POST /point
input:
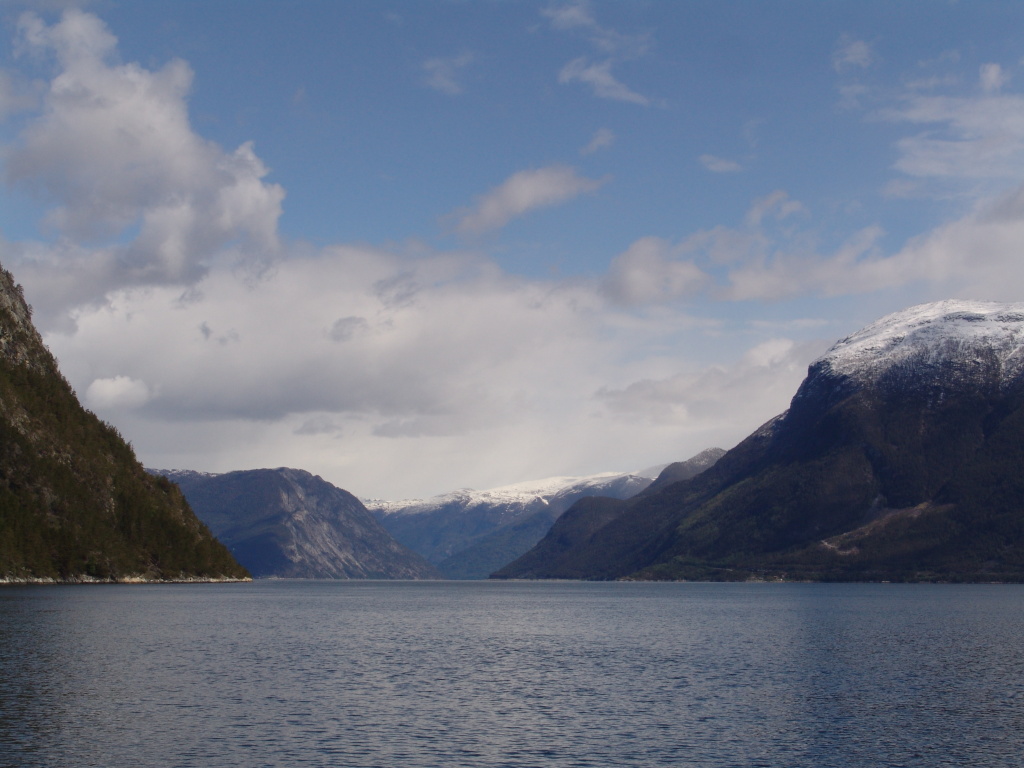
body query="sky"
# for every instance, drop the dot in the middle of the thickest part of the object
(420, 246)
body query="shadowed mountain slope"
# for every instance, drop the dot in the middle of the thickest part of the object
(900, 458)
(291, 524)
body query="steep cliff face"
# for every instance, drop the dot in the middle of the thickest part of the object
(75, 504)
(900, 458)
(288, 523)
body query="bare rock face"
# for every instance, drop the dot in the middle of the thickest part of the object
(288, 523)
(899, 459)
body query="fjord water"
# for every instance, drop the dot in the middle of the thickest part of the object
(279, 673)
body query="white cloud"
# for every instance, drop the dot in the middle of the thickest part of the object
(992, 78)
(477, 378)
(782, 273)
(351, 361)
(578, 16)
(443, 73)
(598, 75)
(612, 46)
(969, 138)
(719, 164)
(777, 204)
(650, 271)
(523, 192)
(851, 53)
(571, 15)
(602, 139)
(117, 393)
(315, 365)
(16, 95)
(755, 388)
(114, 150)
(851, 95)
(977, 255)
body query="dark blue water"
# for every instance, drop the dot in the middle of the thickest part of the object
(511, 674)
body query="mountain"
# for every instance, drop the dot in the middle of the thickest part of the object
(75, 504)
(899, 458)
(684, 470)
(469, 534)
(288, 523)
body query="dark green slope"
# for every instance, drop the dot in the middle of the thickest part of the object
(74, 502)
(917, 476)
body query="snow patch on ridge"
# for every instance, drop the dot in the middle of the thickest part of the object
(952, 329)
(516, 493)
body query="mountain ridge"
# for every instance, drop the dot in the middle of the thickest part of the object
(898, 459)
(468, 534)
(289, 523)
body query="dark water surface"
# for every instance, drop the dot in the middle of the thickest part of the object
(511, 674)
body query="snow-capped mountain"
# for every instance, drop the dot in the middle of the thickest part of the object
(900, 458)
(469, 534)
(973, 339)
(512, 497)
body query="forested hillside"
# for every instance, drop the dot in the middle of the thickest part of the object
(75, 504)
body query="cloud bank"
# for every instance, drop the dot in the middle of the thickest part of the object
(179, 311)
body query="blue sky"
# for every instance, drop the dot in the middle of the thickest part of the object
(415, 246)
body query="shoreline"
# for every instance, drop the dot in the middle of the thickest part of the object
(133, 579)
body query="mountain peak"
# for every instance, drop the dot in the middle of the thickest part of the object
(973, 336)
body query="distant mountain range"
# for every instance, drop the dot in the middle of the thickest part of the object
(288, 523)
(470, 534)
(75, 504)
(901, 457)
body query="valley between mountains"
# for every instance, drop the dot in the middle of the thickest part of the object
(899, 459)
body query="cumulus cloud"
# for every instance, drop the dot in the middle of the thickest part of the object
(719, 164)
(759, 383)
(651, 271)
(602, 139)
(351, 361)
(992, 78)
(16, 95)
(442, 74)
(851, 95)
(777, 204)
(977, 254)
(571, 16)
(578, 16)
(114, 152)
(783, 273)
(475, 378)
(968, 138)
(116, 393)
(598, 75)
(851, 53)
(612, 46)
(521, 193)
